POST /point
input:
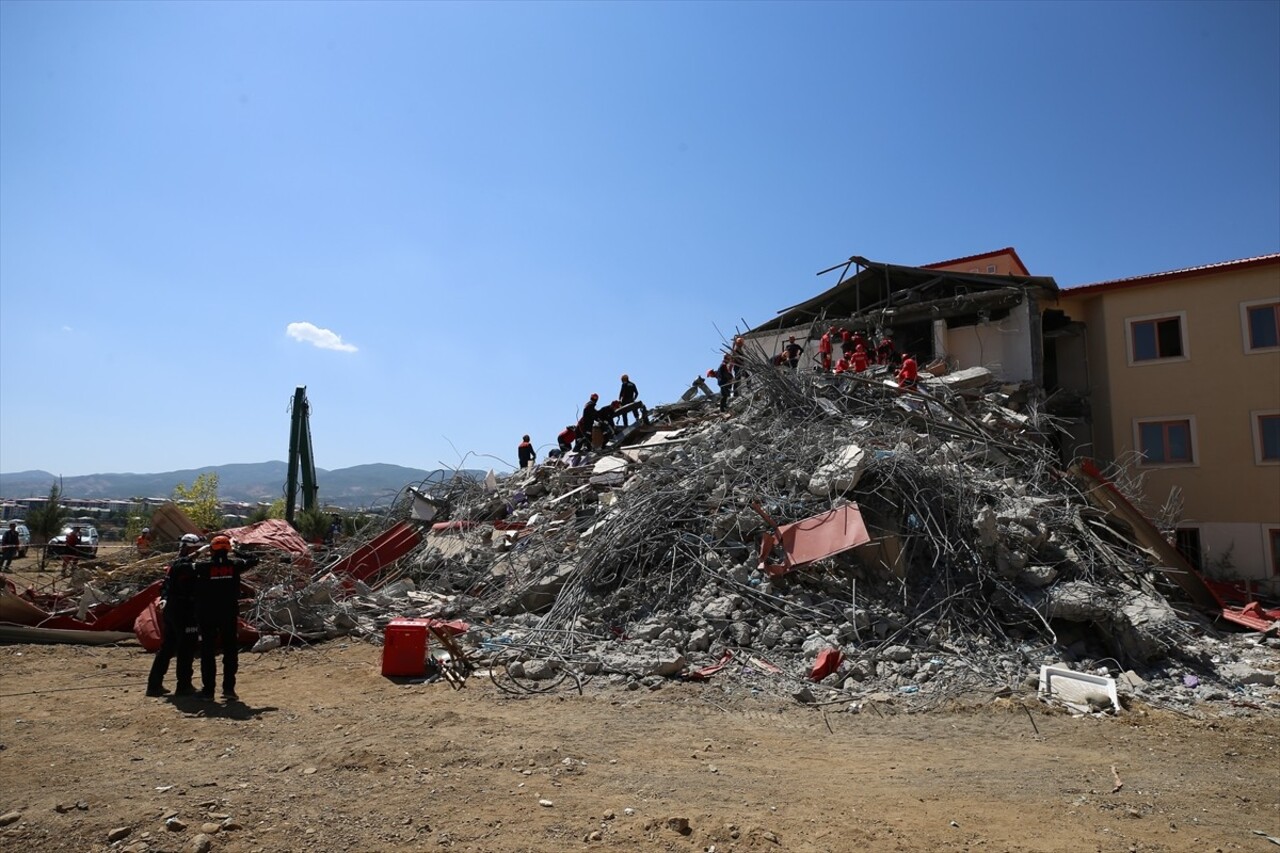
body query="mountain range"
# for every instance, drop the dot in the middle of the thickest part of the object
(354, 487)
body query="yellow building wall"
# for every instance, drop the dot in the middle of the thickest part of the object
(1217, 385)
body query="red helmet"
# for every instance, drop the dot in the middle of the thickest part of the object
(220, 543)
(711, 372)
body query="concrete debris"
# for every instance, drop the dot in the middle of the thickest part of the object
(950, 552)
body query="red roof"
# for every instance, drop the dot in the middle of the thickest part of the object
(1007, 250)
(1156, 277)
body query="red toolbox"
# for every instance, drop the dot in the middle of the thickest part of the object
(404, 648)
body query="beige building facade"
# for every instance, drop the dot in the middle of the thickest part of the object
(1181, 372)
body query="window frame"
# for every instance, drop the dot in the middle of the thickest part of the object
(1255, 426)
(1244, 325)
(1129, 322)
(1198, 562)
(1192, 439)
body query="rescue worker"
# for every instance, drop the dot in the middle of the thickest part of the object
(177, 607)
(604, 416)
(9, 546)
(859, 359)
(143, 542)
(566, 438)
(218, 594)
(526, 452)
(627, 395)
(858, 340)
(724, 376)
(737, 364)
(845, 364)
(71, 554)
(886, 352)
(792, 352)
(908, 374)
(846, 342)
(824, 349)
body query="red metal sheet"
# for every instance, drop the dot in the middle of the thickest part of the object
(814, 538)
(273, 533)
(389, 546)
(123, 615)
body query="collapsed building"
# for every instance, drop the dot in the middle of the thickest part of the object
(829, 537)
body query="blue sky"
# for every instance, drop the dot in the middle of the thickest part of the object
(494, 209)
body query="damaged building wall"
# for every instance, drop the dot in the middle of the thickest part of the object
(1003, 346)
(1209, 385)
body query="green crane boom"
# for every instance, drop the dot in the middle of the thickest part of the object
(300, 456)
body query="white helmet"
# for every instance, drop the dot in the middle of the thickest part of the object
(146, 530)
(189, 539)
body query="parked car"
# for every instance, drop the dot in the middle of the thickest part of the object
(88, 540)
(24, 535)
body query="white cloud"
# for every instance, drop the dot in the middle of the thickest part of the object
(309, 333)
(66, 328)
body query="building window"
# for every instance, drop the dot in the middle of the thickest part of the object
(1166, 442)
(1187, 541)
(1266, 437)
(1156, 338)
(991, 267)
(1261, 325)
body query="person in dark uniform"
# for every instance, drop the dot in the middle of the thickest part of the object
(218, 594)
(526, 452)
(586, 422)
(178, 622)
(791, 352)
(724, 376)
(9, 546)
(627, 395)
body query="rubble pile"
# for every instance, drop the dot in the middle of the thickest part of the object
(834, 538)
(643, 561)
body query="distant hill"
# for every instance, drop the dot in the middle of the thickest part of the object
(358, 486)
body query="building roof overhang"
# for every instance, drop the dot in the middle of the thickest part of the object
(1171, 275)
(891, 293)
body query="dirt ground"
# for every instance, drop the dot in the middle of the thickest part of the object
(324, 754)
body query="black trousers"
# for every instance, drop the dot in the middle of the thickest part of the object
(218, 633)
(178, 640)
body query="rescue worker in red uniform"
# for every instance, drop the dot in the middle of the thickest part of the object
(177, 608)
(824, 348)
(526, 452)
(859, 358)
(566, 438)
(908, 375)
(886, 352)
(218, 595)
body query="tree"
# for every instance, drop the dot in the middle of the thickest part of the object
(200, 501)
(46, 522)
(263, 512)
